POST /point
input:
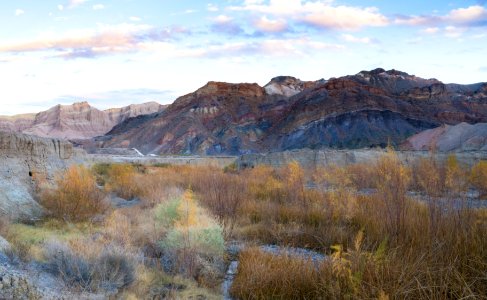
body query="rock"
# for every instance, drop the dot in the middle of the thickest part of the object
(461, 137)
(4, 245)
(25, 163)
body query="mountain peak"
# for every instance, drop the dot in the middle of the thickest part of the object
(286, 86)
(215, 87)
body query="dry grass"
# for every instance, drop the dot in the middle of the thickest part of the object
(267, 276)
(381, 244)
(478, 177)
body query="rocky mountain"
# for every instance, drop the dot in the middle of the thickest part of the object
(371, 108)
(461, 137)
(76, 121)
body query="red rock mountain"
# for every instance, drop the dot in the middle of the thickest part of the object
(371, 108)
(76, 121)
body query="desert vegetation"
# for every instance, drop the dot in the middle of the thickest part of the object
(387, 230)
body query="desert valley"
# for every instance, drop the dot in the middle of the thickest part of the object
(244, 149)
(241, 191)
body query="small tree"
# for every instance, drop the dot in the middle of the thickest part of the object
(76, 197)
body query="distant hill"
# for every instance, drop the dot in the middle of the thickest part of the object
(76, 121)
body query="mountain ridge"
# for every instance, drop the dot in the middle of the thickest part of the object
(79, 120)
(368, 109)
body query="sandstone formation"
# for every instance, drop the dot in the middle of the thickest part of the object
(77, 121)
(25, 162)
(461, 137)
(369, 109)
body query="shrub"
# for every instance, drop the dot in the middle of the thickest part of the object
(109, 270)
(76, 197)
(121, 181)
(428, 176)
(223, 194)
(455, 176)
(193, 239)
(268, 276)
(478, 177)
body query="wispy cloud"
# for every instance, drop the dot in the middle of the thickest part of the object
(212, 7)
(98, 7)
(472, 16)
(320, 14)
(121, 38)
(226, 24)
(75, 3)
(361, 40)
(268, 47)
(19, 12)
(265, 24)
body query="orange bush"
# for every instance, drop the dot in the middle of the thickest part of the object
(76, 197)
(121, 181)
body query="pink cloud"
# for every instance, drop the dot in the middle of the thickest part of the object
(266, 25)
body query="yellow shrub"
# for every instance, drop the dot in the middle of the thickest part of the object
(121, 181)
(76, 197)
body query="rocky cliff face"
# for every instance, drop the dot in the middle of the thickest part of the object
(371, 108)
(461, 137)
(26, 161)
(77, 121)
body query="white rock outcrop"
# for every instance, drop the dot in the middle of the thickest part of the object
(25, 162)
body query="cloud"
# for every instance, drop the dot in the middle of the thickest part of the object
(75, 3)
(98, 7)
(454, 32)
(212, 7)
(135, 19)
(431, 30)
(226, 24)
(319, 14)
(471, 16)
(122, 38)
(60, 7)
(268, 47)
(353, 39)
(266, 25)
(19, 12)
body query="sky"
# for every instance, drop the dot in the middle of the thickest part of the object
(112, 53)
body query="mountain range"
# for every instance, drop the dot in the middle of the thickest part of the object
(76, 121)
(369, 109)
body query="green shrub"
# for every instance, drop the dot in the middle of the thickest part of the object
(167, 213)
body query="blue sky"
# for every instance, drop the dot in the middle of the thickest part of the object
(116, 52)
